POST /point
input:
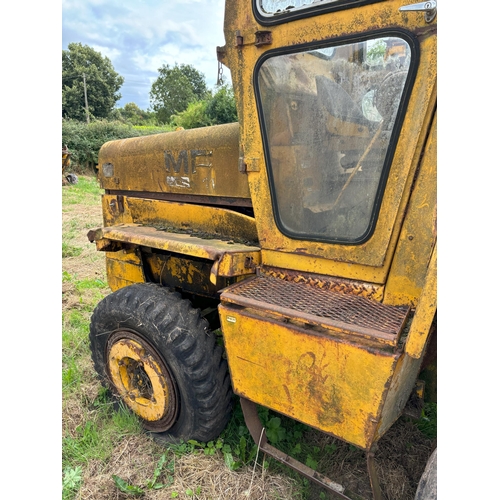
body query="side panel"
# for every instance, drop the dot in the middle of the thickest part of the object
(418, 235)
(337, 387)
(124, 268)
(200, 161)
(184, 217)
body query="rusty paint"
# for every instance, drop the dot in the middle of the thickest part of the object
(202, 162)
(350, 287)
(263, 38)
(338, 313)
(219, 223)
(223, 201)
(230, 256)
(331, 384)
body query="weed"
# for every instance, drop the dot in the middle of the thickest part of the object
(152, 484)
(90, 284)
(67, 277)
(71, 375)
(70, 250)
(72, 480)
(87, 444)
(427, 423)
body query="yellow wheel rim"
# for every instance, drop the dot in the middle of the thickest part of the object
(142, 380)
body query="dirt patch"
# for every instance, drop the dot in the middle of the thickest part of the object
(400, 461)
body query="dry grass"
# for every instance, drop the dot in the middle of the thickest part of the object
(206, 476)
(400, 461)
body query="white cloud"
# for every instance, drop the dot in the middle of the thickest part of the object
(139, 36)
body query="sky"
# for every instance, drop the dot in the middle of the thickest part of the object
(139, 36)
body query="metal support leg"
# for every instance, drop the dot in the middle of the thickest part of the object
(372, 472)
(255, 427)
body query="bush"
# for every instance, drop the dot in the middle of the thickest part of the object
(214, 110)
(193, 117)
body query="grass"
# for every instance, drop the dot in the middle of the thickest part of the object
(105, 454)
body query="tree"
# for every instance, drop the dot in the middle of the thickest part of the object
(102, 83)
(174, 89)
(131, 113)
(222, 107)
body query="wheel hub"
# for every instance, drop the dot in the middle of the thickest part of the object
(142, 380)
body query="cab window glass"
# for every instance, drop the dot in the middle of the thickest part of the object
(273, 7)
(328, 117)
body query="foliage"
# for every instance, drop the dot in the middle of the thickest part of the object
(221, 108)
(85, 140)
(427, 424)
(213, 110)
(194, 116)
(153, 129)
(131, 113)
(174, 89)
(101, 80)
(72, 479)
(152, 484)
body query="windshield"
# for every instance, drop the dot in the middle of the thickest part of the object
(328, 118)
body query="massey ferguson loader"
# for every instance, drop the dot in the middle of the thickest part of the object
(306, 232)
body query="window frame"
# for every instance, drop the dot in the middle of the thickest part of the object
(266, 19)
(413, 44)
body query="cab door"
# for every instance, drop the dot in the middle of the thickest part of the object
(335, 102)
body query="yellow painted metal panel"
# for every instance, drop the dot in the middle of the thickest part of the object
(169, 215)
(418, 235)
(232, 255)
(334, 386)
(424, 314)
(201, 161)
(123, 268)
(401, 386)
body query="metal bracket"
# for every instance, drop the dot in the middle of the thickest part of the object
(430, 9)
(263, 38)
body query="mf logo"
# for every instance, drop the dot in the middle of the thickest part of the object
(187, 160)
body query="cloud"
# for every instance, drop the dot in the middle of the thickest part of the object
(139, 36)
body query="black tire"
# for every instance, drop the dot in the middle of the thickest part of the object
(145, 330)
(72, 178)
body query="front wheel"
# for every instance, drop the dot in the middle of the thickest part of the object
(156, 353)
